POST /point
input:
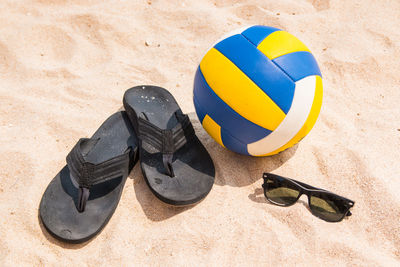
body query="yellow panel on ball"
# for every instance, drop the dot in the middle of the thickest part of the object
(243, 96)
(280, 43)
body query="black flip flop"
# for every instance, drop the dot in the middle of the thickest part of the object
(175, 164)
(82, 197)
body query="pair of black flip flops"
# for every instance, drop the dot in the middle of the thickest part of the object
(82, 197)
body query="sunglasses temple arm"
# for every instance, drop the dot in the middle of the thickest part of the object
(316, 188)
(265, 176)
(308, 186)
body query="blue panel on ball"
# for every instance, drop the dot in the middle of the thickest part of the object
(223, 115)
(298, 65)
(232, 143)
(199, 111)
(256, 34)
(260, 69)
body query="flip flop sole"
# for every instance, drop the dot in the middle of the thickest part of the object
(193, 167)
(58, 207)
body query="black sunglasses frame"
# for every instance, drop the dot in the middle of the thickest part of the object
(309, 191)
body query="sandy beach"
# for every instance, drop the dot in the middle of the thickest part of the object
(64, 66)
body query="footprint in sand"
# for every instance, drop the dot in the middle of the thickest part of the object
(320, 5)
(8, 62)
(44, 47)
(257, 15)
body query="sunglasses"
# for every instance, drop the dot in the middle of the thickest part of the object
(323, 204)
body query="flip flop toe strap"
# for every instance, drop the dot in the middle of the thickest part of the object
(87, 174)
(167, 141)
(167, 162)
(83, 197)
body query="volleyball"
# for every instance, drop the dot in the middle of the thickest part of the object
(258, 91)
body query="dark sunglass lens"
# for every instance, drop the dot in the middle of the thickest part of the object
(281, 191)
(328, 207)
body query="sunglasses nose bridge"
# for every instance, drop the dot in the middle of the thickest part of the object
(301, 192)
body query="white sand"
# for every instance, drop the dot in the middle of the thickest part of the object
(64, 66)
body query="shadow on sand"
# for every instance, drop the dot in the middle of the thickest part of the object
(232, 169)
